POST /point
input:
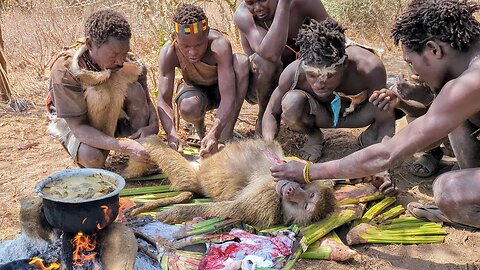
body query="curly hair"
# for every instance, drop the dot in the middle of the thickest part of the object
(187, 14)
(106, 23)
(321, 43)
(449, 21)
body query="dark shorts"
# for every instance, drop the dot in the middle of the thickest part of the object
(210, 94)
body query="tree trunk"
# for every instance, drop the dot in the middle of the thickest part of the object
(5, 92)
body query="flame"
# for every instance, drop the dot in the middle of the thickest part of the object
(125, 205)
(38, 263)
(83, 243)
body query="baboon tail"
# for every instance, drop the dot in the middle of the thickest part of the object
(180, 173)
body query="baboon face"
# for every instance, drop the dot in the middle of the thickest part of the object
(302, 203)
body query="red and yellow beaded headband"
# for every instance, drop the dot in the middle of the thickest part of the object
(193, 28)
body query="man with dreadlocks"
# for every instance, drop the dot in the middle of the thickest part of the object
(309, 94)
(441, 41)
(267, 32)
(98, 91)
(213, 77)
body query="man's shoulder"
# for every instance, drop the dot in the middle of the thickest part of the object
(218, 39)
(470, 78)
(365, 59)
(242, 16)
(60, 69)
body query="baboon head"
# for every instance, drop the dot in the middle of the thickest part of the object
(304, 204)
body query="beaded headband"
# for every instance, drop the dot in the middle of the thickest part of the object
(193, 28)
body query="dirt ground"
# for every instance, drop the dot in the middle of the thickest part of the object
(28, 154)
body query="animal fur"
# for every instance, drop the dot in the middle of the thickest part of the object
(237, 178)
(355, 101)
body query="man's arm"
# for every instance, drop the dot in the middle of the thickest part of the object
(91, 136)
(457, 101)
(269, 45)
(222, 51)
(271, 118)
(313, 9)
(152, 126)
(167, 63)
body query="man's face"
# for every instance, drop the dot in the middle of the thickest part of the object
(193, 46)
(323, 81)
(109, 55)
(421, 65)
(262, 10)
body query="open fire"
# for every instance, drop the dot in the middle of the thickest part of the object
(84, 250)
(38, 263)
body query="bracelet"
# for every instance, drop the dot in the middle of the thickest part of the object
(306, 174)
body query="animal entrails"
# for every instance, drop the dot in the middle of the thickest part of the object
(238, 180)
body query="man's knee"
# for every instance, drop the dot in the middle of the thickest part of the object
(241, 66)
(294, 113)
(261, 67)
(191, 108)
(446, 190)
(90, 157)
(136, 95)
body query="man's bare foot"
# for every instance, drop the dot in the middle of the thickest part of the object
(313, 148)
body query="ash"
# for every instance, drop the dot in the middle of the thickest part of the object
(23, 247)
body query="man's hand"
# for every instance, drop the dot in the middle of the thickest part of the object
(135, 150)
(382, 181)
(385, 99)
(208, 146)
(292, 170)
(175, 143)
(142, 132)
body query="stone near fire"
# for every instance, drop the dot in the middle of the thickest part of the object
(119, 247)
(32, 220)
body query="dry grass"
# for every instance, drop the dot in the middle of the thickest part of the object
(35, 30)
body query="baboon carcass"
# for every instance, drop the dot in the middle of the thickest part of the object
(238, 179)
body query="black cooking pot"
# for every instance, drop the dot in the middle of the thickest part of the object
(89, 215)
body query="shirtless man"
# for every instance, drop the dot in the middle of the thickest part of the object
(267, 29)
(441, 40)
(308, 95)
(213, 78)
(106, 50)
(414, 98)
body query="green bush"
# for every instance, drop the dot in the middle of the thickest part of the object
(367, 18)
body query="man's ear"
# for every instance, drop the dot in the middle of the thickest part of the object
(434, 49)
(88, 42)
